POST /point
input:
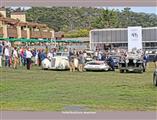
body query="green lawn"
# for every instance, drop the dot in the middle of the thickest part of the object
(39, 90)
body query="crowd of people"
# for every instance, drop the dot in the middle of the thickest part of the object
(20, 56)
(24, 56)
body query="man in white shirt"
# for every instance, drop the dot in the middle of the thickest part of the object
(36, 57)
(28, 58)
(7, 56)
(15, 56)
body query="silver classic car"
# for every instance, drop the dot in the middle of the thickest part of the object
(97, 66)
(132, 63)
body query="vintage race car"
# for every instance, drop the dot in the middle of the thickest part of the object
(155, 78)
(58, 62)
(132, 63)
(97, 65)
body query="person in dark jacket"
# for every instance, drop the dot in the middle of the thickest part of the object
(155, 61)
(39, 57)
(110, 63)
(43, 55)
(146, 59)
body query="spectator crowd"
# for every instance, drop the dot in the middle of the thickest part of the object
(26, 56)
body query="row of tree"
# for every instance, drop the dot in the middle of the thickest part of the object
(78, 19)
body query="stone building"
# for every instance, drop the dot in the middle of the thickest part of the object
(16, 26)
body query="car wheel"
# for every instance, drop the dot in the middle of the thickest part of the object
(141, 71)
(121, 71)
(155, 80)
(127, 71)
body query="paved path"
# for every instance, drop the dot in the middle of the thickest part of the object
(12, 115)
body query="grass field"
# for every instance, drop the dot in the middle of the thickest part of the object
(39, 90)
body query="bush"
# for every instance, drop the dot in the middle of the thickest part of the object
(77, 33)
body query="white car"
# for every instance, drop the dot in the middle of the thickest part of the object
(58, 62)
(97, 65)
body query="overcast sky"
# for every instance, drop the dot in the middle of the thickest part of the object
(134, 9)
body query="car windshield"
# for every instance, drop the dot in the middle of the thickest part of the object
(58, 54)
(89, 54)
(95, 63)
(61, 54)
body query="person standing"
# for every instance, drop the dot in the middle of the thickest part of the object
(99, 56)
(1, 53)
(155, 61)
(36, 57)
(15, 57)
(28, 58)
(81, 61)
(110, 62)
(7, 56)
(47, 50)
(71, 61)
(146, 59)
(39, 57)
(43, 55)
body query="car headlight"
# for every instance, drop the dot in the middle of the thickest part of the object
(134, 61)
(127, 61)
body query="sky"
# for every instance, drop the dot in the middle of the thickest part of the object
(134, 9)
(139, 9)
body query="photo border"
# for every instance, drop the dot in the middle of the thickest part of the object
(83, 3)
(13, 115)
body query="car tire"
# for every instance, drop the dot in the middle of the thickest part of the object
(155, 80)
(141, 71)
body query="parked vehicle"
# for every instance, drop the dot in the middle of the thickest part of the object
(97, 65)
(132, 63)
(64, 54)
(58, 62)
(155, 78)
(89, 56)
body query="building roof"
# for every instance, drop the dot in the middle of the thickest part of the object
(22, 23)
(59, 34)
(113, 29)
(9, 20)
(1, 15)
(2, 9)
(36, 24)
(15, 21)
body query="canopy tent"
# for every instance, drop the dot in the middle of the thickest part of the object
(38, 40)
